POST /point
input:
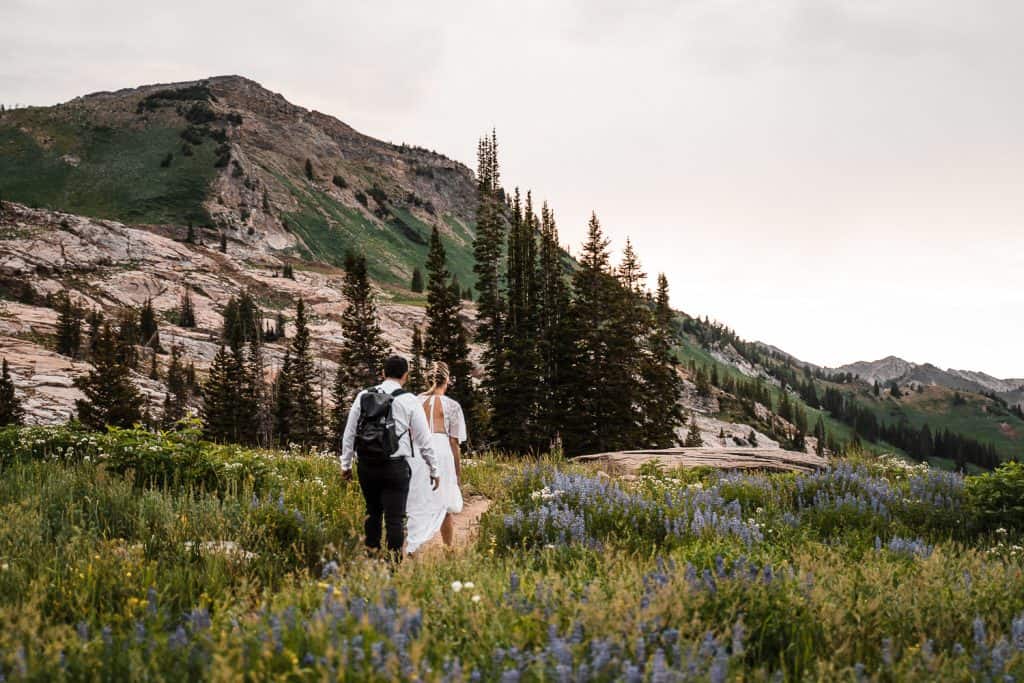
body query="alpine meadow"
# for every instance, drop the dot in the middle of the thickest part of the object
(226, 321)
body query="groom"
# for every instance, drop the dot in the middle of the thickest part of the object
(384, 477)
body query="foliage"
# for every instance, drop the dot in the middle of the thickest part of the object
(139, 555)
(997, 498)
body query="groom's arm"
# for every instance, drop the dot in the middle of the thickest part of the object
(348, 439)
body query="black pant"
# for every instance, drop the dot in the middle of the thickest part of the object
(385, 487)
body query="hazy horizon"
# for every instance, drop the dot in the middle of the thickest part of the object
(841, 180)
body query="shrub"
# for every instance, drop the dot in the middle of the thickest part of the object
(997, 498)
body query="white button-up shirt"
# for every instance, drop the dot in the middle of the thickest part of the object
(410, 419)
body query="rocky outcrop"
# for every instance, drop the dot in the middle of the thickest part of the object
(770, 459)
(108, 266)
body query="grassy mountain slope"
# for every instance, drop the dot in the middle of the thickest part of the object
(230, 156)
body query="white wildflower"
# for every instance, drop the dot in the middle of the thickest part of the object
(456, 586)
(475, 598)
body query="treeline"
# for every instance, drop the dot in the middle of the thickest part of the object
(582, 358)
(920, 443)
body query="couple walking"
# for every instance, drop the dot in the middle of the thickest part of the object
(407, 451)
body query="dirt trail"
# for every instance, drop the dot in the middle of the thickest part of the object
(466, 522)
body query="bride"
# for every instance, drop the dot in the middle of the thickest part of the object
(430, 511)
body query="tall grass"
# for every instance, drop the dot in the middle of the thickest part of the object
(136, 556)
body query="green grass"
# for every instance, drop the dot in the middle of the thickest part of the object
(132, 556)
(118, 175)
(978, 418)
(329, 229)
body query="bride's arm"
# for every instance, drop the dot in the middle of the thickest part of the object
(457, 453)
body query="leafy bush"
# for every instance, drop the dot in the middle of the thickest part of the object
(997, 498)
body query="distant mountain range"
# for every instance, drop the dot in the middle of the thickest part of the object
(892, 368)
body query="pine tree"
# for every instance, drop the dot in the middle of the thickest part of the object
(178, 393)
(223, 243)
(446, 338)
(693, 437)
(417, 383)
(821, 436)
(69, 327)
(255, 414)
(554, 340)
(190, 237)
(149, 330)
(186, 312)
(309, 170)
(222, 394)
(11, 412)
(515, 422)
(279, 327)
(110, 397)
(304, 427)
(128, 335)
(417, 280)
(283, 405)
(487, 251)
(363, 348)
(241, 320)
(662, 387)
(599, 388)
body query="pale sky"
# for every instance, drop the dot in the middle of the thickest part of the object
(843, 179)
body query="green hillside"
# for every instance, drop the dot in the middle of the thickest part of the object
(102, 171)
(227, 154)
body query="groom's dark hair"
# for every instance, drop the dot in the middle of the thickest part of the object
(395, 367)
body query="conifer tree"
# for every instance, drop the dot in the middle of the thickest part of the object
(95, 323)
(417, 280)
(821, 436)
(241, 320)
(487, 251)
(304, 426)
(110, 397)
(149, 330)
(693, 437)
(554, 340)
(178, 392)
(128, 335)
(363, 348)
(69, 327)
(222, 394)
(11, 412)
(417, 373)
(516, 390)
(283, 406)
(599, 415)
(190, 237)
(186, 312)
(256, 418)
(662, 386)
(446, 338)
(223, 243)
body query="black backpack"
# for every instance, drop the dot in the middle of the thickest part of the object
(376, 436)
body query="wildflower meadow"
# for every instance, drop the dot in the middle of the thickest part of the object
(138, 556)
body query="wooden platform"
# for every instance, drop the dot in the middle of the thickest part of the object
(773, 459)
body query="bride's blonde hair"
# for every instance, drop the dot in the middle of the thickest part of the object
(439, 375)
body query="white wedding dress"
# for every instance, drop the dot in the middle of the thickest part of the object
(425, 508)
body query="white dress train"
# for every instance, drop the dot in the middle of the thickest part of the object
(425, 508)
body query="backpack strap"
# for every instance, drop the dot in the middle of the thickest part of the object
(412, 447)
